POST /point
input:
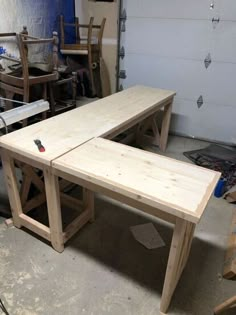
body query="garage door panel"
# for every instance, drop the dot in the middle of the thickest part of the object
(188, 77)
(185, 9)
(166, 43)
(181, 39)
(186, 116)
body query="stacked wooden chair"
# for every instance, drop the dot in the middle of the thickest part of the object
(89, 45)
(20, 81)
(27, 74)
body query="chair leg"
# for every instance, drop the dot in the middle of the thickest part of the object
(45, 95)
(51, 98)
(26, 100)
(74, 88)
(9, 95)
(90, 64)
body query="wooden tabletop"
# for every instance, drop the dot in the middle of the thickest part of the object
(64, 132)
(175, 187)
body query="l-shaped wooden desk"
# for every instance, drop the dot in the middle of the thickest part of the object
(171, 190)
(71, 132)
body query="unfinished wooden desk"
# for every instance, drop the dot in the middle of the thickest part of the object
(174, 191)
(106, 117)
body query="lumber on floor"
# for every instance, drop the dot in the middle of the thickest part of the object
(230, 256)
(225, 305)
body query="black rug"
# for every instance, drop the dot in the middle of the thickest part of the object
(216, 158)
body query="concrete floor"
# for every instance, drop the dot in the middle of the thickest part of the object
(103, 270)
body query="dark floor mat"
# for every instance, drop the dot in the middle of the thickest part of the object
(218, 159)
(219, 152)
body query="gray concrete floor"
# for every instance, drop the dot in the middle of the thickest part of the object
(103, 270)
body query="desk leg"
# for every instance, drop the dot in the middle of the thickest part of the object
(165, 126)
(54, 209)
(12, 187)
(88, 203)
(179, 252)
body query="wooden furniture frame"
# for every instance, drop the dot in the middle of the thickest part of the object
(174, 191)
(58, 106)
(85, 47)
(105, 118)
(72, 153)
(20, 113)
(229, 270)
(14, 84)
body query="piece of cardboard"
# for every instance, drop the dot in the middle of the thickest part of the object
(147, 235)
(231, 196)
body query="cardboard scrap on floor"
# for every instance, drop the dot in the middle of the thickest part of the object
(229, 271)
(147, 235)
(230, 196)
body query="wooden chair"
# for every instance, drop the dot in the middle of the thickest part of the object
(21, 80)
(90, 45)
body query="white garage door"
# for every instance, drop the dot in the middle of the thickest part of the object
(166, 43)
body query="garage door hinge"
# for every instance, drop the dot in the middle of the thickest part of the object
(123, 18)
(122, 52)
(207, 61)
(200, 101)
(215, 21)
(121, 88)
(122, 74)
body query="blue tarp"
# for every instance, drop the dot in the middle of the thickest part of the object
(68, 10)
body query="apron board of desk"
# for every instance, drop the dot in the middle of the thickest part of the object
(174, 191)
(107, 117)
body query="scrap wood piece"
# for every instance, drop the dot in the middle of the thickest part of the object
(225, 305)
(230, 256)
(9, 222)
(230, 196)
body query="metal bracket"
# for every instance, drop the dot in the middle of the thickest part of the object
(200, 101)
(123, 18)
(122, 74)
(207, 60)
(215, 21)
(123, 27)
(122, 52)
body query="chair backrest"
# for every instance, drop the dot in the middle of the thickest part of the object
(100, 32)
(99, 29)
(24, 40)
(13, 37)
(64, 25)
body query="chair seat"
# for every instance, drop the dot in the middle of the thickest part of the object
(19, 81)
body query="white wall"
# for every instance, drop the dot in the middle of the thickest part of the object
(84, 10)
(166, 43)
